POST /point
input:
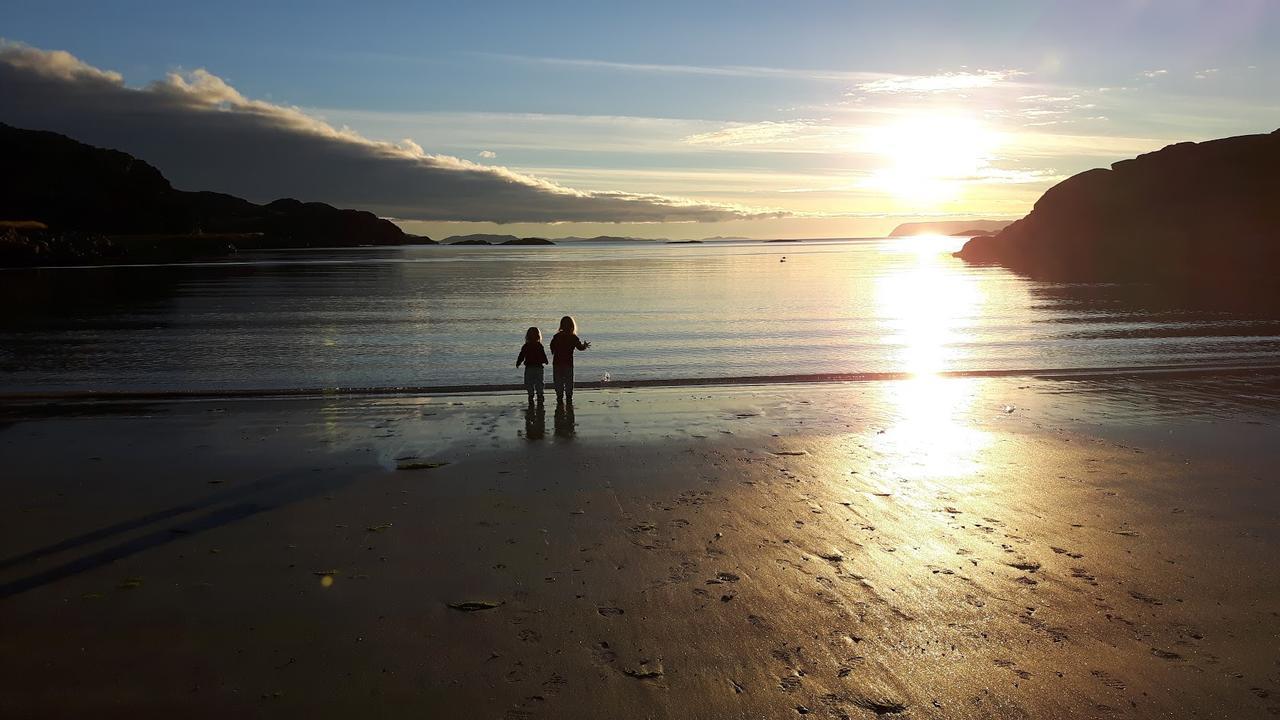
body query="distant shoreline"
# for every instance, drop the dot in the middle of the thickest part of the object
(1083, 373)
(236, 258)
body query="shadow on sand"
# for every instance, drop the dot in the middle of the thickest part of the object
(223, 508)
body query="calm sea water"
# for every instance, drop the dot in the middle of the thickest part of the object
(431, 316)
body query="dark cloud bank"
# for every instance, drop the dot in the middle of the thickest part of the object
(204, 135)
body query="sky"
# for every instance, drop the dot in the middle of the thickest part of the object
(655, 119)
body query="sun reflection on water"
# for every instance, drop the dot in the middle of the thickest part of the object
(928, 309)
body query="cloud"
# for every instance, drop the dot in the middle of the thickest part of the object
(746, 71)
(487, 154)
(205, 135)
(1045, 109)
(864, 81)
(942, 82)
(1153, 74)
(752, 133)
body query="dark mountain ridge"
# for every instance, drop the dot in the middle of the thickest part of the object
(85, 195)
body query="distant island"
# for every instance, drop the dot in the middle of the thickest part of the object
(1201, 216)
(684, 242)
(604, 239)
(65, 202)
(949, 227)
(488, 239)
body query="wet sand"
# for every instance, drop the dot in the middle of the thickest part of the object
(941, 548)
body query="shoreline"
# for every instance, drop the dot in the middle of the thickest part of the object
(1188, 371)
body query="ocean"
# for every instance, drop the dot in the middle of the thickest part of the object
(443, 316)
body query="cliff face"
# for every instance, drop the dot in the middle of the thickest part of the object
(78, 188)
(1203, 215)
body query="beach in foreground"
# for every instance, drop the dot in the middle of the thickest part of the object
(928, 548)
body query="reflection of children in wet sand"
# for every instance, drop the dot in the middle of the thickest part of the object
(562, 347)
(564, 427)
(535, 422)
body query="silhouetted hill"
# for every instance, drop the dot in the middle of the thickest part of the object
(490, 239)
(604, 239)
(478, 239)
(68, 185)
(1201, 215)
(80, 191)
(947, 227)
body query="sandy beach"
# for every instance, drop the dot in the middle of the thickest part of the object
(931, 548)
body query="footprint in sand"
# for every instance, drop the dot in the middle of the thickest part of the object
(603, 654)
(554, 684)
(1011, 665)
(880, 705)
(1082, 574)
(1108, 679)
(1143, 597)
(1191, 632)
(682, 572)
(1165, 654)
(645, 670)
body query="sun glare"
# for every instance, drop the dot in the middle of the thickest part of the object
(928, 310)
(930, 157)
(927, 307)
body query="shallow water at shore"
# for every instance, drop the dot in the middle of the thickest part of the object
(454, 316)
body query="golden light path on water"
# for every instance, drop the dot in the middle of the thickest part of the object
(927, 309)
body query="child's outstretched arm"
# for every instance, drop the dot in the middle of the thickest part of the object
(520, 357)
(583, 345)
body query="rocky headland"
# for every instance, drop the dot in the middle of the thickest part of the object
(1196, 216)
(65, 202)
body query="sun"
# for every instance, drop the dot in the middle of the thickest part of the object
(930, 157)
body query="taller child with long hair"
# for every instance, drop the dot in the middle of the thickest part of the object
(563, 344)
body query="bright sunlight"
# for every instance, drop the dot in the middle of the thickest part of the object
(930, 157)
